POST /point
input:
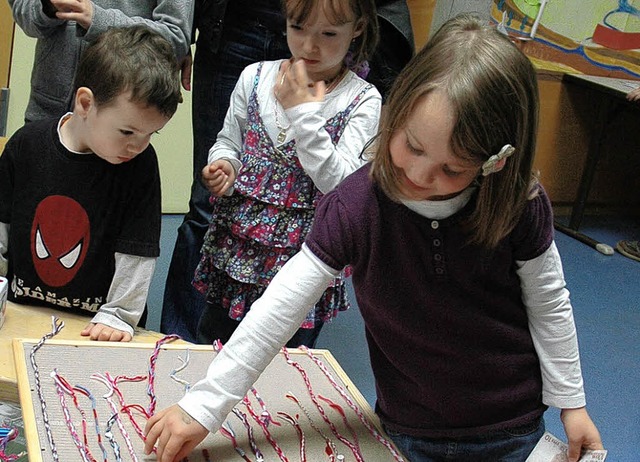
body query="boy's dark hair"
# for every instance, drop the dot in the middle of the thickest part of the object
(131, 59)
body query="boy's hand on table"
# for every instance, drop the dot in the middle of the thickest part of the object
(105, 333)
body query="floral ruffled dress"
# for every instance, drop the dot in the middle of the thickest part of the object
(254, 232)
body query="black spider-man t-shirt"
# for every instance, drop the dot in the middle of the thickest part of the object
(68, 215)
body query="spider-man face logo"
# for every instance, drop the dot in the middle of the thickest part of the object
(59, 239)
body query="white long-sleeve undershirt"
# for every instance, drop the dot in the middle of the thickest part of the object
(128, 292)
(4, 248)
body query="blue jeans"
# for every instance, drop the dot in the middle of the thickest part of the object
(512, 445)
(244, 41)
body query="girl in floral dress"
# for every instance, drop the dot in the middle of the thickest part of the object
(294, 130)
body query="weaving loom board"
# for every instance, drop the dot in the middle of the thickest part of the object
(77, 360)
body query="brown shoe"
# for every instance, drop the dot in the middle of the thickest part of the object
(629, 249)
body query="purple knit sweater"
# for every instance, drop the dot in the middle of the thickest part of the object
(445, 323)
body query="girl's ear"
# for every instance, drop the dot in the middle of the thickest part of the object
(84, 101)
(359, 29)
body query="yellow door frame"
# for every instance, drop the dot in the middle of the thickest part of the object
(6, 47)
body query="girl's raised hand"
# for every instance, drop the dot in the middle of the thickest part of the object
(218, 176)
(294, 86)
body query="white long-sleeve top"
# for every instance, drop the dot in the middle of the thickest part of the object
(295, 289)
(327, 165)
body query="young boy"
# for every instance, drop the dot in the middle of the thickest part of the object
(80, 196)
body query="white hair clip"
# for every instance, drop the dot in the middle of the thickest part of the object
(496, 162)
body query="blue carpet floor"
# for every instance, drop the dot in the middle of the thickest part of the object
(605, 294)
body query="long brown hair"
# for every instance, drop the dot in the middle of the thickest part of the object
(492, 88)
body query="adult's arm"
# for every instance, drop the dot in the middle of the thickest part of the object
(170, 18)
(4, 248)
(36, 18)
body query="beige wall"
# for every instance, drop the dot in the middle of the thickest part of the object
(173, 143)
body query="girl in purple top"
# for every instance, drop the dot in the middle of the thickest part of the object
(450, 236)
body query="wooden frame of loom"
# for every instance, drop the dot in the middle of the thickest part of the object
(76, 361)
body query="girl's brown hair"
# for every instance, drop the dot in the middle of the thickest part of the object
(363, 12)
(492, 88)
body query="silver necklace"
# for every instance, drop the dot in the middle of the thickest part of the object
(332, 83)
(282, 134)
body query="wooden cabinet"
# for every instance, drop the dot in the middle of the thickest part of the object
(567, 120)
(6, 43)
(421, 16)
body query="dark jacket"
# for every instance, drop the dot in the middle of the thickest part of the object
(208, 19)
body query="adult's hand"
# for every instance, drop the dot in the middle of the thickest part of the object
(80, 11)
(634, 95)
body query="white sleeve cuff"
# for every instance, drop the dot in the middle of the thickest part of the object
(127, 295)
(4, 248)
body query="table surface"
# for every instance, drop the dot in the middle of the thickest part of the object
(618, 87)
(295, 373)
(33, 322)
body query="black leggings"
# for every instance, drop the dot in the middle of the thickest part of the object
(215, 324)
